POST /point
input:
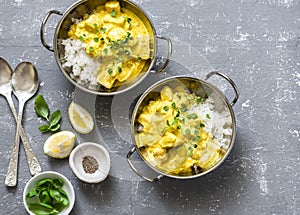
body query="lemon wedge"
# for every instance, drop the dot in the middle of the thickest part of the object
(80, 118)
(60, 144)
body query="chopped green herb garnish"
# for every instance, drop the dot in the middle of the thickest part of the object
(168, 123)
(105, 51)
(125, 42)
(102, 30)
(110, 71)
(173, 105)
(179, 126)
(96, 39)
(175, 121)
(127, 52)
(119, 69)
(139, 59)
(166, 108)
(207, 116)
(113, 13)
(187, 131)
(195, 145)
(91, 49)
(202, 125)
(183, 109)
(190, 151)
(102, 39)
(128, 20)
(198, 138)
(196, 131)
(119, 60)
(181, 119)
(95, 25)
(81, 38)
(192, 116)
(199, 100)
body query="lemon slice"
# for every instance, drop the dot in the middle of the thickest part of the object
(60, 145)
(80, 118)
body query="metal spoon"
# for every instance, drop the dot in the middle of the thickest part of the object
(6, 90)
(24, 83)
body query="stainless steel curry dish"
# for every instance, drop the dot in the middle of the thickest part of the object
(183, 127)
(117, 34)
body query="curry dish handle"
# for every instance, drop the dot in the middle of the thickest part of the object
(230, 81)
(42, 30)
(138, 172)
(170, 47)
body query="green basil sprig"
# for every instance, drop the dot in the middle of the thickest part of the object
(47, 197)
(42, 110)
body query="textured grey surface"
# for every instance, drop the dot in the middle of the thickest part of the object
(256, 42)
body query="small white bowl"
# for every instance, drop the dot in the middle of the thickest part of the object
(67, 187)
(96, 151)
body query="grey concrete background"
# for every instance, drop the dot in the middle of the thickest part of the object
(255, 42)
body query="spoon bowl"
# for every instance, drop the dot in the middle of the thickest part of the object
(5, 77)
(24, 81)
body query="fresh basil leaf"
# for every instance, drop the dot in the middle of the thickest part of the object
(31, 194)
(54, 118)
(44, 128)
(52, 198)
(42, 209)
(58, 183)
(55, 195)
(44, 182)
(42, 188)
(58, 196)
(45, 197)
(62, 191)
(58, 206)
(41, 107)
(55, 127)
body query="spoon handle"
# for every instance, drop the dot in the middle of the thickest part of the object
(32, 161)
(12, 172)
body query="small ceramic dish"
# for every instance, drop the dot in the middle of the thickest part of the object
(90, 162)
(67, 187)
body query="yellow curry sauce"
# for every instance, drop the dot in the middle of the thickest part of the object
(118, 38)
(172, 136)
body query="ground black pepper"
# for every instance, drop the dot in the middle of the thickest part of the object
(90, 164)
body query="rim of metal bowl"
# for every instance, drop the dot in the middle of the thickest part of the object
(67, 75)
(207, 84)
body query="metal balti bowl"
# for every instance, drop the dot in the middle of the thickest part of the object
(77, 11)
(198, 87)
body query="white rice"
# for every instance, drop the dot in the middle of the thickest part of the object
(219, 124)
(82, 68)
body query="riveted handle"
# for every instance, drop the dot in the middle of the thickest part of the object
(170, 47)
(138, 172)
(230, 81)
(43, 26)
